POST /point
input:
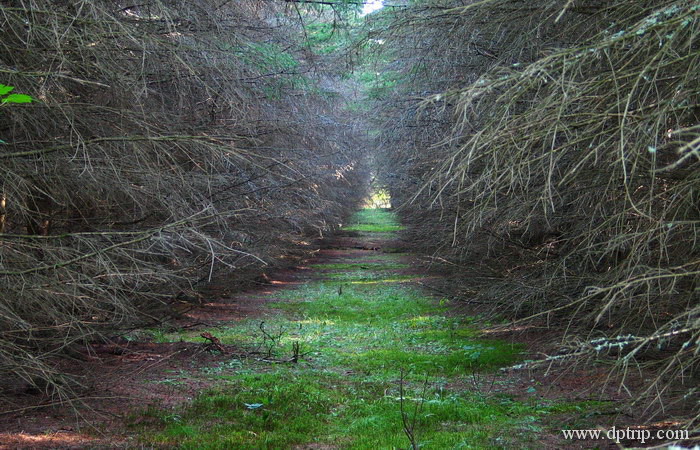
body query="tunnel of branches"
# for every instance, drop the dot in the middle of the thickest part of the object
(543, 155)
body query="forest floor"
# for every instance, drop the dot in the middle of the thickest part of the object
(350, 350)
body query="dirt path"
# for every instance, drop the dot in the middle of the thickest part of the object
(344, 352)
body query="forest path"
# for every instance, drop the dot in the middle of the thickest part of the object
(349, 353)
(346, 351)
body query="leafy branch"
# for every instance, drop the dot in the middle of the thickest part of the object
(6, 97)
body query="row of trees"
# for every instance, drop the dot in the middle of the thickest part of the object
(167, 143)
(549, 154)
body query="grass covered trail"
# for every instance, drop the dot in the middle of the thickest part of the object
(356, 357)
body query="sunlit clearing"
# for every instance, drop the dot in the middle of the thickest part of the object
(379, 198)
(371, 6)
(422, 319)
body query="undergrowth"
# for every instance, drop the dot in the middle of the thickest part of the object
(549, 158)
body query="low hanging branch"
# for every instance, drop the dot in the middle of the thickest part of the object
(122, 183)
(43, 151)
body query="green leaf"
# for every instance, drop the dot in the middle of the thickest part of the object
(3, 142)
(17, 98)
(5, 89)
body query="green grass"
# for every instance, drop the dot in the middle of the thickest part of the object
(360, 277)
(368, 228)
(373, 220)
(358, 331)
(361, 266)
(292, 406)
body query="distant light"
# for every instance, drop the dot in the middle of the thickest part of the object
(371, 6)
